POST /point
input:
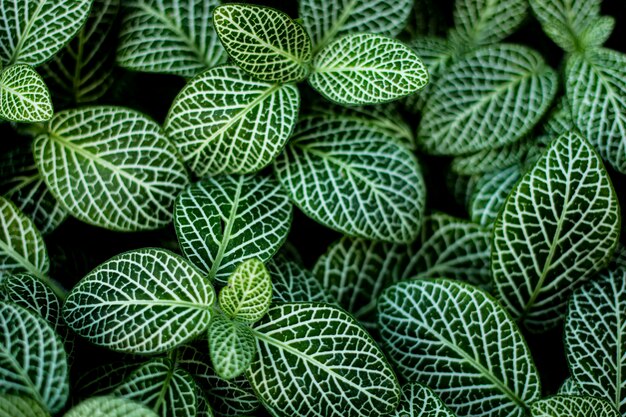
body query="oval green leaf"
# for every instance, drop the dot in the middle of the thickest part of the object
(232, 347)
(572, 406)
(24, 96)
(248, 295)
(110, 407)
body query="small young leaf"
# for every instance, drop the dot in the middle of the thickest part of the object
(225, 121)
(222, 221)
(17, 406)
(482, 22)
(232, 347)
(491, 191)
(367, 69)
(264, 42)
(459, 341)
(24, 96)
(249, 292)
(420, 401)
(109, 406)
(111, 167)
(343, 372)
(558, 227)
(32, 359)
(143, 301)
(169, 36)
(572, 406)
(490, 98)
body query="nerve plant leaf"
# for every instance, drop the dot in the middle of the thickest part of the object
(490, 193)
(325, 20)
(248, 294)
(24, 96)
(292, 282)
(109, 406)
(572, 406)
(26, 35)
(420, 401)
(232, 347)
(33, 362)
(111, 167)
(367, 69)
(264, 42)
(460, 342)
(143, 301)
(493, 159)
(482, 22)
(558, 227)
(490, 98)
(20, 406)
(569, 387)
(169, 36)
(31, 293)
(353, 179)
(341, 369)
(225, 220)
(225, 121)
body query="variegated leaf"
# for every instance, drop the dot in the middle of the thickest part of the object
(31, 293)
(482, 22)
(109, 406)
(493, 159)
(232, 347)
(292, 282)
(420, 401)
(24, 96)
(569, 387)
(572, 406)
(20, 406)
(248, 295)
(491, 191)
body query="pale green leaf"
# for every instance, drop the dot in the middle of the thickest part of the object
(291, 282)
(491, 191)
(143, 301)
(111, 167)
(264, 42)
(460, 342)
(353, 179)
(367, 69)
(30, 38)
(222, 221)
(315, 360)
(596, 90)
(482, 22)
(493, 159)
(420, 401)
(24, 96)
(32, 359)
(558, 227)
(248, 295)
(572, 406)
(490, 98)
(169, 36)
(232, 347)
(225, 121)
(110, 407)
(16, 406)
(325, 20)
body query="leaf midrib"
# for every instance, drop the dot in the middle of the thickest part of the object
(23, 35)
(157, 302)
(25, 263)
(23, 97)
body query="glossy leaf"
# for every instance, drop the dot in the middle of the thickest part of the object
(572, 406)
(225, 121)
(420, 401)
(143, 301)
(24, 96)
(109, 406)
(248, 295)
(232, 347)
(20, 406)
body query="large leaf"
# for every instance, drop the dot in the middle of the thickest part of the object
(490, 98)
(248, 295)
(222, 221)
(232, 347)
(572, 406)
(595, 338)
(225, 121)
(26, 35)
(420, 401)
(367, 69)
(491, 191)
(24, 96)
(558, 227)
(596, 90)
(459, 341)
(325, 20)
(353, 179)
(32, 359)
(143, 301)
(17, 406)
(292, 282)
(169, 36)
(481, 22)
(264, 42)
(109, 406)
(111, 167)
(315, 360)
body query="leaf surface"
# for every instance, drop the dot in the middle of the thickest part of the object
(24, 96)
(482, 22)
(232, 347)
(490, 194)
(572, 406)
(19, 406)
(109, 406)
(248, 295)
(420, 401)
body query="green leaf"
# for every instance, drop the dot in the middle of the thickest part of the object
(325, 20)
(596, 90)
(30, 38)
(559, 120)
(292, 282)
(225, 121)
(366, 69)
(110, 407)
(558, 227)
(482, 22)
(111, 167)
(341, 369)
(459, 341)
(31, 293)
(15, 406)
(420, 401)
(572, 406)
(569, 387)
(222, 221)
(160, 385)
(353, 179)
(22, 248)
(493, 159)
(232, 347)
(264, 42)
(145, 301)
(595, 338)
(24, 96)
(248, 295)
(490, 98)
(32, 359)
(490, 193)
